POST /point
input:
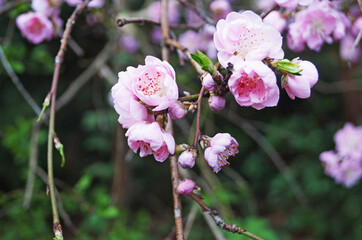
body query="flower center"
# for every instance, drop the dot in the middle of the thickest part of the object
(249, 84)
(247, 41)
(149, 83)
(230, 150)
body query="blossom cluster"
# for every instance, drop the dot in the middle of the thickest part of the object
(345, 163)
(44, 23)
(315, 22)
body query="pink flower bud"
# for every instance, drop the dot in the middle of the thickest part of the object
(209, 83)
(299, 86)
(187, 158)
(186, 187)
(177, 110)
(216, 103)
(34, 26)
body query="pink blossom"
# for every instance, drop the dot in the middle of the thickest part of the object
(156, 35)
(45, 7)
(34, 26)
(357, 26)
(177, 110)
(264, 4)
(345, 48)
(154, 11)
(314, 25)
(129, 43)
(192, 41)
(277, 20)
(186, 187)
(254, 84)
(342, 24)
(245, 37)
(295, 39)
(126, 103)
(221, 147)
(209, 83)
(154, 83)
(92, 4)
(216, 103)
(349, 141)
(73, 3)
(193, 18)
(331, 162)
(187, 158)
(290, 5)
(220, 8)
(150, 138)
(299, 86)
(349, 173)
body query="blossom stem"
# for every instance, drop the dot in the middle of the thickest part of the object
(266, 12)
(198, 116)
(188, 98)
(142, 21)
(221, 222)
(175, 175)
(58, 62)
(194, 9)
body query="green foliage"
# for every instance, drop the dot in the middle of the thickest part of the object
(204, 61)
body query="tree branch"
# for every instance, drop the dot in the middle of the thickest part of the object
(142, 21)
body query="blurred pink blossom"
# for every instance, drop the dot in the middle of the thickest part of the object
(357, 26)
(277, 20)
(349, 141)
(299, 86)
(290, 5)
(254, 84)
(193, 19)
(220, 8)
(220, 148)
(150, 138)
(191, 40)
(345, 48)
(186, 187)
(45, 7)
(154, 11)
(129, 43)
(245, 37)
(35, 26)
(92, 4)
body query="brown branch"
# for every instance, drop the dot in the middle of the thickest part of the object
(359, 5)
(221, 222)
(174, 43)
(58, 62)
(197, 129)
(194, 9)
(33, 157)
(175, 174)
(142, 21)
(266, 13)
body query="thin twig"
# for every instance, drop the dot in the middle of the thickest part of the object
(199, 13)
(359, 5)
(85, 76)
(354, 47)
(28, 98)
(213, 226)
(33, 157)
(198, 116)
(58, 62)
(123, 21)
(266, 13)
(12, 5)
(221, 222)
(172, 42)
(270, 151)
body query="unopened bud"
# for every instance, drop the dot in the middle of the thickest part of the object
(186, 187)
(187, 158)
(216, 103)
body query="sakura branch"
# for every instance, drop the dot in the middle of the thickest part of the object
(124, 21)
(221, 222)
(52, 96)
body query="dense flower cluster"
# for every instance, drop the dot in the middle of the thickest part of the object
(345, 164)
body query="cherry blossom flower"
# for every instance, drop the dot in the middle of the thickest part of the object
(277, 20)
(45, 7)
(150, 138)
(349, 141)
(186, 187)
(187, 158)
(216, 103)
(154, 83)
(314, 25)
(92, 4)
(35, 27)
(244, 36)
(177, 110)
(221, 147)
(299, 86)
(349, 173)
(345, 48)
(126, 104)
(209, 83)
(191, 40)
(254, 84)
(129, 43)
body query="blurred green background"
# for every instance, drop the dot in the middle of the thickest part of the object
(107, 192)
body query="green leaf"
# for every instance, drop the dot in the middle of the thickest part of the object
(196, 58)
(288, 66)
